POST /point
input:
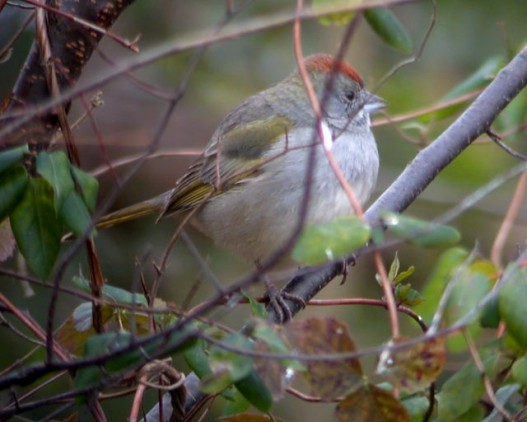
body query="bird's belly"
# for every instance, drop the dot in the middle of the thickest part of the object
(253, 227)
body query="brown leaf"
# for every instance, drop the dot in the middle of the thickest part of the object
(371, 404)
(272, 372)
(416, 367)
(74, 332)
(329, 378)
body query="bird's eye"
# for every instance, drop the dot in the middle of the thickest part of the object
(350, 96)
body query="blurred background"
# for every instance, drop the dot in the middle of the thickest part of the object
(465, 36)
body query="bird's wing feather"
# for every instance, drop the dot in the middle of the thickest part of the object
(231, 158)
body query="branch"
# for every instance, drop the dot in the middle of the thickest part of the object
(476, 120)
(473, 122)
(171, 47)
(72, 41)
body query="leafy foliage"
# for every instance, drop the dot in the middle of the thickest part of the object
(327, 242)
(389, 29)
(123, 339)
(39, 207)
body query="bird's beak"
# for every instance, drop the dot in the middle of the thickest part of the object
(374, 103)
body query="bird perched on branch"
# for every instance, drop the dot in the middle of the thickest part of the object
(247, 188)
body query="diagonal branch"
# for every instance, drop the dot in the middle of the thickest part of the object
(476, 120)
(171, 47)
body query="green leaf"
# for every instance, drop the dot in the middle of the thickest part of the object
(75, 214)
(36, 227)
(444, 269)
(112, 293)
(11, 156)
(217, 381)
(420, 232)
(108, 343)
(118, 295)
(510, 345)
(406, 295)
(270, 335)
(389, 29)
(257, 309)
(470, 288)
(101, 345)
(479, 79)
(89, 186)
(236, 402)
(176, 342)
(12, 186)
(490, 314)
(337, 19)
(336, 239)
(377, 235)
(228, 366)
(394, 268)
(416, 406)
(511, 301)
(519, 371)
(255, 391)
(404, 275)
(462, 391)
(509, 399)
(55, 168)
(197, 359)
(474, 414)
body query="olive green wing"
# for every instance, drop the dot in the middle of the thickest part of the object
(230, 159)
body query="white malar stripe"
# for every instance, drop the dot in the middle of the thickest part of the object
(327, 139)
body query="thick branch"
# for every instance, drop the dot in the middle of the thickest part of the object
(72, 44)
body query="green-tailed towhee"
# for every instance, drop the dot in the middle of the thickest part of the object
(247, 188)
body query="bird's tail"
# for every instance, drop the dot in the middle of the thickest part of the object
(142, 209)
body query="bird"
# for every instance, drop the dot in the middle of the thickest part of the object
(246, 190)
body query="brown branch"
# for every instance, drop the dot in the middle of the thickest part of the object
(486, 381)
(508, 221)
(71, 46)
(32, 325)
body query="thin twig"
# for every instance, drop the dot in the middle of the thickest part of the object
(209, 274)
(497, 140)
(311, 399)
(181, 44)
(425, 110)
(370, 302)
(486, 381)
(5, 50)
(130, 159)
(418, 53)
(388, 294)
(319, 124)
(33, 326)
(508, 221)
